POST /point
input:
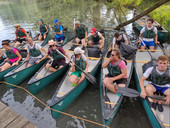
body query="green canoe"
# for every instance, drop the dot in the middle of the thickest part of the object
(21, 73)
(43, 77)
(157, 119)
(65, 93)
(140, 23)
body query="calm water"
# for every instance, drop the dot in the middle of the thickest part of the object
(87, 105)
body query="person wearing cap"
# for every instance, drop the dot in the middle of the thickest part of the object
(58, 60)
(95, 38)
(118, 39)
(43, 30)
(80, 60)
(34, 52)
(13, 56)
(80, 32)
(58, 30)
(20, 34)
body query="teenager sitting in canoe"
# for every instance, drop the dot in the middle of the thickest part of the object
(118, 39)
(43, 30)
(149, 35)
(81, 33)
(80, 60)
(58, 61)
(117, 71)
(13, 56)
(159, 77)
(96, 38)
(34, 52)
(58, 30)
(20, 34)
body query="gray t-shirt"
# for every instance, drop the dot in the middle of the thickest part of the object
(37, 46)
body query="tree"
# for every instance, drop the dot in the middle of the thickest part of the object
(158, 4)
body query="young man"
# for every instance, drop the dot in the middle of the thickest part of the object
(117, 71)
(20, 34)
(58, 30)
(159, 81)
(58, 59)
(119, 38)
(95, 38)
(80, 32)
(43, 30)
(80, 60)
(149, 35)
(34, 52)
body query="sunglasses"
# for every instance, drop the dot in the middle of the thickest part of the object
(52, 46)
(16, 27)
(113, 55)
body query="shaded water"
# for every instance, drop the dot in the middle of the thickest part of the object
(87, 105)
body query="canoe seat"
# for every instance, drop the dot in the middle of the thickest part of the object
(39, 76)
(61, 93)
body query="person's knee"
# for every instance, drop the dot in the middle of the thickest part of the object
(90, 43)
(47, 66)
(149, 89)
(105, 82)
(72, 80)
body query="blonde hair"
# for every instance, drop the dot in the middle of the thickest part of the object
(117, 53)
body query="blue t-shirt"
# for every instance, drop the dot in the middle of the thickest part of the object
(61, 29)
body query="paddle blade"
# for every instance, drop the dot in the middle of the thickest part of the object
(127, 92)
(91, 79)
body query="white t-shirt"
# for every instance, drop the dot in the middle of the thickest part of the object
(82, 55)
(154, 30)
(148, 72)
(37, 46)
(97, 33)
(114, 39)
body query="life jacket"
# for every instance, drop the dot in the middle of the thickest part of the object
(81, 63)
(148, 33)
(10, 54)
(114, 70)
(158, 79)
(20, 34)
(96, 38)
(42, 28)
(118, 42)
(81, 31)
(57, 28)
(56, 55)
(33, 51)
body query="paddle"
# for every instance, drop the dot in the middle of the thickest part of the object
(129, 92)
(163, 50)
(48, 67)
(89, 77)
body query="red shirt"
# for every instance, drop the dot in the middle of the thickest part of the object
(22, 31)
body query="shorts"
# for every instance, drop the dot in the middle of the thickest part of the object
(33, 60)
(160, 89)
(77, 73)
(56, 64)
(120, 81)
(10, 62)
(80, 38)
(60, 38)
(21, 40)
(148, 43)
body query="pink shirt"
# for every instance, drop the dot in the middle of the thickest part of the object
(15, 59)
(121, 65)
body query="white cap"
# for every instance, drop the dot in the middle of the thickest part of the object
(77, 22)
(78, 50)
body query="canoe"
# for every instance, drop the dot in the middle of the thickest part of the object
(65, 94)
(43, 78)
(110, 102)
(140, 23)
(156, 118)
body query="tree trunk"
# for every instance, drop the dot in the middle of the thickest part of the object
(161, 2)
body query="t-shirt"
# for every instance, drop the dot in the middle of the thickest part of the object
(14, 50)
(97, 33)
(121, 65)
(154, 30)
(148, 72)
(37, 46)
(82, 55)
(61, 29)
(22, 31)
(114, 39)
(62, 51)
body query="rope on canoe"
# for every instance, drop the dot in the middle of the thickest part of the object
(67, 114)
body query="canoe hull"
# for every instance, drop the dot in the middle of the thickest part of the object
(18, 78)
(68, 99)
(37, 86)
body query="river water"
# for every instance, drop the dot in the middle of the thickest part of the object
(87, 105)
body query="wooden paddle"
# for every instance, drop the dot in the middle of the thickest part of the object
(89, 77)
(129, 92)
